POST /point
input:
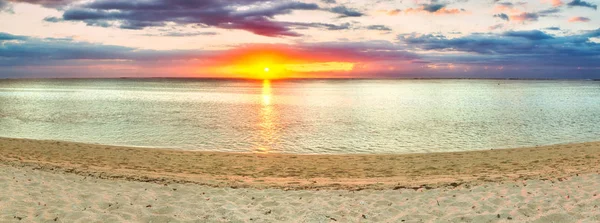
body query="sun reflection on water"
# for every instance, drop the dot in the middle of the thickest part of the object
(268, 118)
(266, 93)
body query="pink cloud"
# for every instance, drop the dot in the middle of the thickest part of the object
(523, 17)
(508, 7)
(579, 19)
(554, 3)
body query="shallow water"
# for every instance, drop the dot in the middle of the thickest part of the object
(303, 116)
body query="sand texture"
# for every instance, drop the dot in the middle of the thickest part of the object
(41, 196)
(51, 181)
(304, 171)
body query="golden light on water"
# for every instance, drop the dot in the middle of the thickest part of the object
(268, 120)
(266, 93)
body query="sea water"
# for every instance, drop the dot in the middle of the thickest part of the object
(303, 116)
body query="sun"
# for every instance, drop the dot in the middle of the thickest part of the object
(267, 70)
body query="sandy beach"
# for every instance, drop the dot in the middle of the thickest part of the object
(75, 182)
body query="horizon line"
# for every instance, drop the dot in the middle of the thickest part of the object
(291, 78)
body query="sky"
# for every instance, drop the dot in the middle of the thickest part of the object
(300, 39)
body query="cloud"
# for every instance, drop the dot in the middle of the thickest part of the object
(532, 50)
(506, 7)
(59, 49)
(46, 3)
(528, 34)
(8, 36)
(554, 28)
(183, 34)
(52, 19)
(34, 50)
(255, 16)
(497, 26)
(379, 27)
(502, 16)
(437, 9)
(579, 3)
(525, 16)
(519, 16)
(579, 19)
(391, 12)
(346, 12)
(327, 26)
(527, 48)
(554, 3)
(367, 51)
(549, 12)
(433, 7)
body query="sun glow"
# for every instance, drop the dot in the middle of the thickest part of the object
(269, 65)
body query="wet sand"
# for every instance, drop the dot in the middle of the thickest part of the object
(303, 171)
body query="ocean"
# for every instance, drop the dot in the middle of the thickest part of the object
(303, 116)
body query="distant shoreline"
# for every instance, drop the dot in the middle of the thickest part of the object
(288, 79)
(290, 171)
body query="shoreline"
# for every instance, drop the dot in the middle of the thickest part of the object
(301, 172)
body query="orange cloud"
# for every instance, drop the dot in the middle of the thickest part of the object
(508, 7)
(554, 3)
(394, 12)
(579, 19)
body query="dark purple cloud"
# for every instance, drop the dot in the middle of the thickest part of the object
(580, 3)
(255, 16)
(515, 47)
(141, 14)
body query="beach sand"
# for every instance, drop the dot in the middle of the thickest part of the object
(70, 182)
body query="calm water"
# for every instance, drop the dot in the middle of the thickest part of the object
(316, 116)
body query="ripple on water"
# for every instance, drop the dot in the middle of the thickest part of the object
(359, 116)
